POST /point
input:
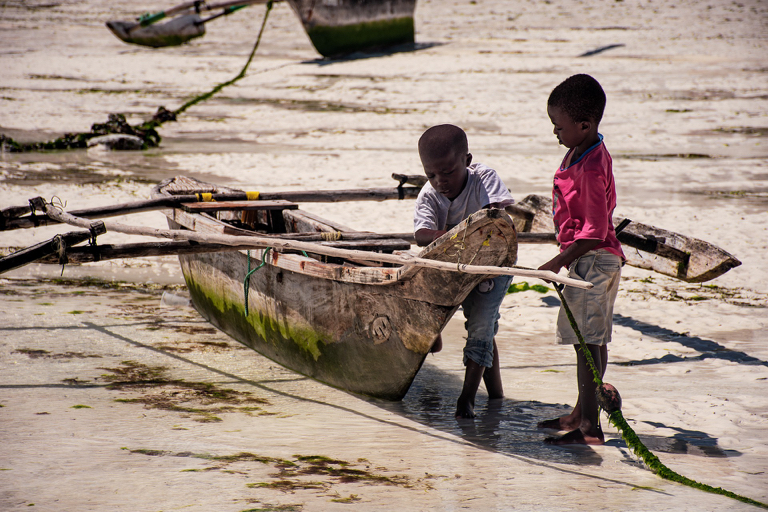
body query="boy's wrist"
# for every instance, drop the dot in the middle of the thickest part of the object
(576, 250)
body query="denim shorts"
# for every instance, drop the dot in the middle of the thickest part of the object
(592, 309)
(481, 309)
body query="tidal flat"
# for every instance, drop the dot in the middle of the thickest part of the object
(111, 400)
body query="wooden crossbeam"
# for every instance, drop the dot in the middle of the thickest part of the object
(219, 206)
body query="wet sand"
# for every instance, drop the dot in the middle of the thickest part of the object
(112, 401)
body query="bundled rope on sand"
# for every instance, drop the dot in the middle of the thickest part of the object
(145, 133)
(609, 400)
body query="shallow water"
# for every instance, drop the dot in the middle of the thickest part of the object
(686, 124)
(74, 411)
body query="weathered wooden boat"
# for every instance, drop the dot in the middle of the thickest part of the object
(338, 27)
(647, 247)
(335, 27)
(355, 325)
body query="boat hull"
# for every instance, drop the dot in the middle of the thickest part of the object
(342, 334)
(177, 31)
(354, 325)
(338, 27)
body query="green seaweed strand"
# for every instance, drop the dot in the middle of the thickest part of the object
(630, 437)
(205, 96)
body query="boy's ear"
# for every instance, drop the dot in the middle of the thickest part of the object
(585, 126)
(469, 159)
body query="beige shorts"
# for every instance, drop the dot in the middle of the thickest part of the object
(593, 308)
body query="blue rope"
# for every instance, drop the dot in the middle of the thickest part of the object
(247, 280)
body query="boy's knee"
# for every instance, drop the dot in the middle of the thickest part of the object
(480, 351)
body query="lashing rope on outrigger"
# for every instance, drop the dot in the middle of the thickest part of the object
(633, 441)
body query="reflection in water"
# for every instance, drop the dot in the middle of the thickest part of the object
(508, 426)
(505, 426)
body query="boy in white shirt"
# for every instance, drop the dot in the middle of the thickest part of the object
(456, 189)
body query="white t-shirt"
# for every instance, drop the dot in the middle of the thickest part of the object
(435, 211)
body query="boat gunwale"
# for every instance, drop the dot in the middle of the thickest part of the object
(293, 262)
(311, 267)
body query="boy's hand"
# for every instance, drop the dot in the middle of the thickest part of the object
(573, 252)
(552, 265)
(427, 236)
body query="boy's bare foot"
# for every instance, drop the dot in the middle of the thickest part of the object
(465, 413)
(567, 422)
(576, 437)
(437, 346)
(464, 408)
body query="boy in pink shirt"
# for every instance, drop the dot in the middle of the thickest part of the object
(583, 198)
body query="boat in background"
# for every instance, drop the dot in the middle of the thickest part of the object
(338, 27)
(335, 27)
(360, 326)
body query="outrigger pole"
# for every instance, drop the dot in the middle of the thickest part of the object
(262, 242)
(185, 25)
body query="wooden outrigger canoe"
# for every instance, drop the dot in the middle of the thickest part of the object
(335, 27)
(355, 325)
(647, 247)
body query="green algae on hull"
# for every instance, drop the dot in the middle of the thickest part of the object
(337, 40)
(265, 327)
(284, 328)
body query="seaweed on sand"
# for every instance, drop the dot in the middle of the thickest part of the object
(202, 400)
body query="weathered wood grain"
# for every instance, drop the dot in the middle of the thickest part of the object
(666, 252)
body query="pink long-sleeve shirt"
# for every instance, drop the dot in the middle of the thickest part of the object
(583, 200)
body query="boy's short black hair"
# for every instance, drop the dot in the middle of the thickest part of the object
(580, 97)
(443, 139)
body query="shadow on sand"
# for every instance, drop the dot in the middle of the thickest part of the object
(384, 52)
(506, 426)
(709, 349)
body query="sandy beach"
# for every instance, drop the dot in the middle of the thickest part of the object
(221, 427)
